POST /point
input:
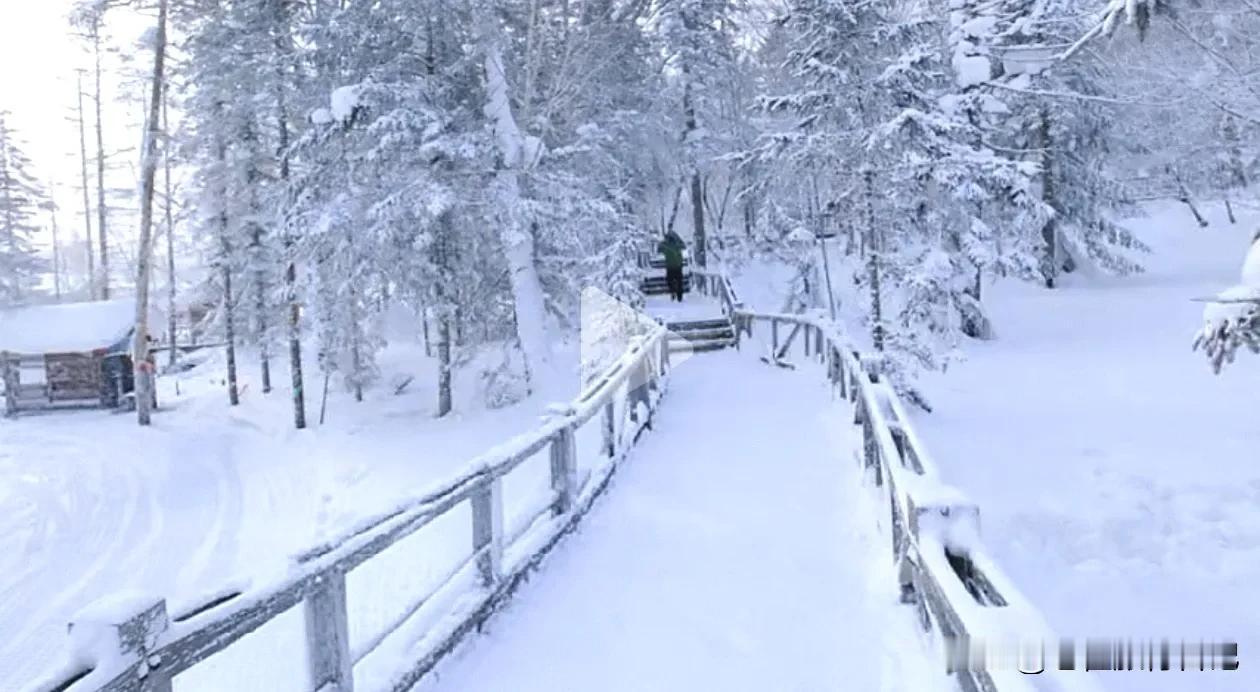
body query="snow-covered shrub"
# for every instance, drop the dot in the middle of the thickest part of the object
(1234, 320)
(506, 383)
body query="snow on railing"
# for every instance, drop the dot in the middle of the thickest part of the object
(943, 568)
(714, 281)
(133, 643)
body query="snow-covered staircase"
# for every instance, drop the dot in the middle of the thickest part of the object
(653, 282)
(701, 335)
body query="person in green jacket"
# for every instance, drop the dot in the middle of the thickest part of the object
(672, 247)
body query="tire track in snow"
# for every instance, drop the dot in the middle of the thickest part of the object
(58, 603)
(217, 548)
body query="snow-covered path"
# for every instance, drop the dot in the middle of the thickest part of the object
(735, 551)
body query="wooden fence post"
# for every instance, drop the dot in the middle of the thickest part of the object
(610, 430)
(564, 469)
(487, 529)
(328, 634)
(129, 637)
(818, 343)
(807, 337)
(8, 375)
(774, 337)
(840, 374)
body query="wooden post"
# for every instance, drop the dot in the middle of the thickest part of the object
(870, 448)
(807, 338)
(8, 375)
(637, 389)
(840, 374)
(774, 336)
(564, 469)
(328, 634)
(818, 343)
(487, 529)
(610, 430)
(129, 638)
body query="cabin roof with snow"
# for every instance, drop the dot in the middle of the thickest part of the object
(69, 327)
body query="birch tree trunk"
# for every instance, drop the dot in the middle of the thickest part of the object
(516, 152)
(144, 370)
(87, 199)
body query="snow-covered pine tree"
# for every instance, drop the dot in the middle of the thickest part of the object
(21, 202)
(1232, 321)
(1059, 113)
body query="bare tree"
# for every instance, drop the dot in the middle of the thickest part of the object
(101, 209)
(168, 203)
(87, 199)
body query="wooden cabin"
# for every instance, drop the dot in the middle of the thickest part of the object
(68, 355)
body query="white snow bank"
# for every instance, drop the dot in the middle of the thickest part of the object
(69, 327)
(344, 100)
(1237, 300)
(1251, 265)
(971, 69)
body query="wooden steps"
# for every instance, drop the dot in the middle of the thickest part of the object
(700, 336)
(656, 285)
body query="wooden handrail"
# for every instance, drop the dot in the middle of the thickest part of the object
(139, 647)
(942, 567)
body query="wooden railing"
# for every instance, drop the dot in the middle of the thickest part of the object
(714, 280)
(943, 569)
(136, 645)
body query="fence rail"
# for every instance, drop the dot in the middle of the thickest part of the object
(943, 569)
(136, 645)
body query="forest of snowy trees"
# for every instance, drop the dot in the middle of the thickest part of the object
(480, 162)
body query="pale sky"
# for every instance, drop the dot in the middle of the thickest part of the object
(39, 55)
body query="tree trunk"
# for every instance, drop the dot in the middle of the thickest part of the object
(56, 246)
(873, 258)
(290, 272)
(144, 371)
(515, 233)
(697, 192)
(442, 262)
(444, 365)
(256, 260)
(697, 219)
(87, 199)
(229, 301)
(1049, 232)
(102, 232)
(171, 322)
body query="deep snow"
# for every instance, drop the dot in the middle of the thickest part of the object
(1118, 479)
(735, 551)
(217, 495)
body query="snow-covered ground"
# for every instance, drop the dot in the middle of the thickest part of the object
(1118, 479)
(735, 551)
(91, 505)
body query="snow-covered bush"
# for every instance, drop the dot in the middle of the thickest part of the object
(1233, 320)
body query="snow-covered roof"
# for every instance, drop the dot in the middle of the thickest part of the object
(69, 327)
